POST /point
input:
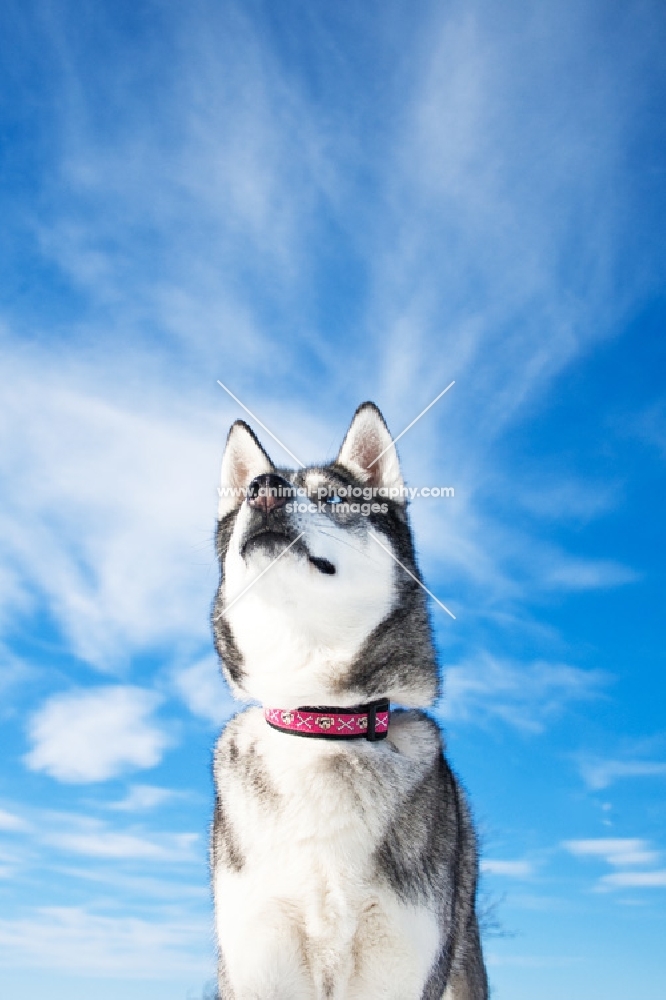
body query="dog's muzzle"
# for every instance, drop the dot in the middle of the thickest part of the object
(271, 528)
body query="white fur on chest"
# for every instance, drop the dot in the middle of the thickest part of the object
(307, 917)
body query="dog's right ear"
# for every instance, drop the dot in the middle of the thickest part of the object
(243, 460)
(368, 450)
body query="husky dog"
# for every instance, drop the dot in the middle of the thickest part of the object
(344, 864)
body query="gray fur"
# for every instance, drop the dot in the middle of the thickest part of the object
(225, 849)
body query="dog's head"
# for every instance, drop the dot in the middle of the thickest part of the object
(318, 602)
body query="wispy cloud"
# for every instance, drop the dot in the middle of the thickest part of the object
(95, 734)
(634, 880)
(11, 823)
(572, 573)
(483, 188)
(113, 499)
(146, 881)
(97, 842)
(616, 851)
(508, 869)
(85, 942)
(49, 835)
(141, 798)
(524, 696)
(473, 275)
(567, 498)
(622, 852)
(500, 563)
(143, 888)
(234, 160)
(204, 692)
(599, 773)
(150, 920)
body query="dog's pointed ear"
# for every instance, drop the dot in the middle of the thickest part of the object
(368, 451)
(243, 459)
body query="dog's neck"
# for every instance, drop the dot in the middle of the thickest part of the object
(324, 722)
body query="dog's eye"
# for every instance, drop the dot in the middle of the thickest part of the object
(333, 499)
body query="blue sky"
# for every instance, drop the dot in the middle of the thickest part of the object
(320, 203)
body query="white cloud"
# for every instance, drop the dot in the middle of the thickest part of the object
(616, 851)
(143, 797)
(522, 695)
(98, 842)
(233, 160)
(84, 942)
(574, 573)
(621, 852)
(480, 255)
(11, 823)
(599, 773)
(204, 692)
(48, 834)
(566, 498)
(93, 735)
(634, 880)
(116, 500)
(510, 869)
(165, 888)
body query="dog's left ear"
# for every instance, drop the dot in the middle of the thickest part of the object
(368, 450)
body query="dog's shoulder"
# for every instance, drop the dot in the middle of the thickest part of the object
(239, 758)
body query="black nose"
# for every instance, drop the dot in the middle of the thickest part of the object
(268, 492)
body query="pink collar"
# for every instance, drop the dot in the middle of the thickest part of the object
(368, 722)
